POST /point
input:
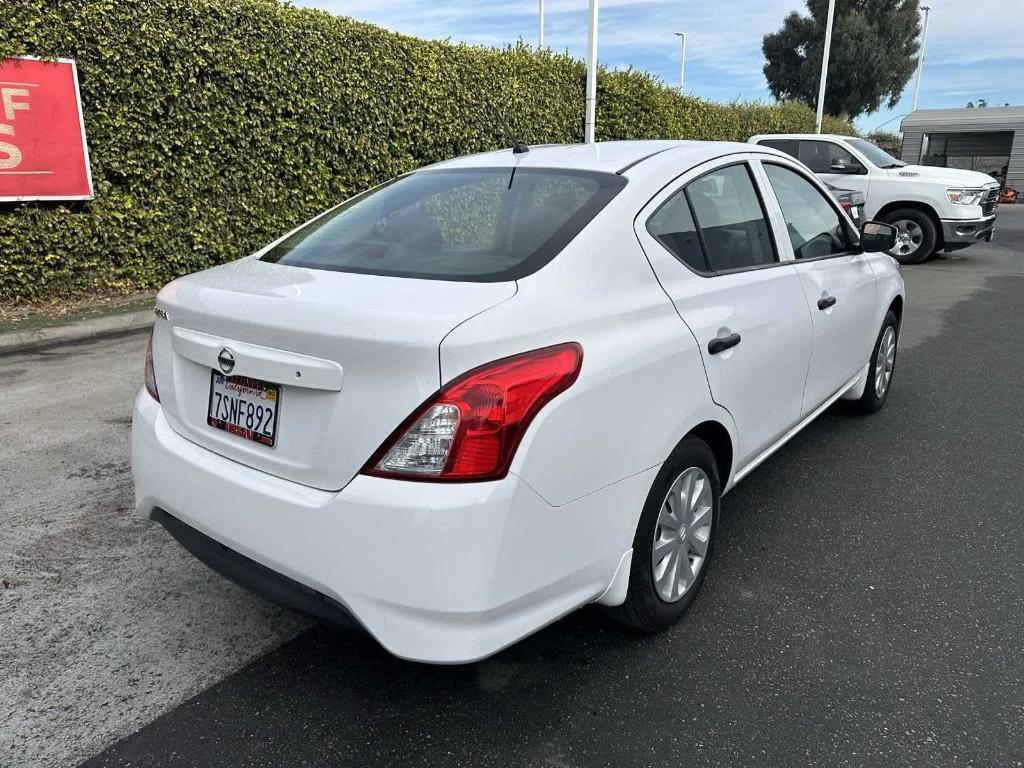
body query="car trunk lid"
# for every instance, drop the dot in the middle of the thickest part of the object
(352, 355)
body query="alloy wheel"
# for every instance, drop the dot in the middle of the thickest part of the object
(885, 360)
(682, 535)
(909, 237)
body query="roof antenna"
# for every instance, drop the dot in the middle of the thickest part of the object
(518, 147)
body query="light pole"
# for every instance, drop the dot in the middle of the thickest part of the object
(920, 58)
(591, 96)
(682, 59)
(824, 65)
(540, 31)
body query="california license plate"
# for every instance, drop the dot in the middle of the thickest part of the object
(245, 407)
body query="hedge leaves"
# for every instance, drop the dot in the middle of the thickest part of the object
(216, 125)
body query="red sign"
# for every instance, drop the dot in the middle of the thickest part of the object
(43, 155)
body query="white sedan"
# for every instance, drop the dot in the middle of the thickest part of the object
(477, 397)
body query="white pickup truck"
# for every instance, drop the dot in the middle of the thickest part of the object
(934, 209)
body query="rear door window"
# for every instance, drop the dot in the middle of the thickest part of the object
(471, 224)
(716, 223)
(731, 220)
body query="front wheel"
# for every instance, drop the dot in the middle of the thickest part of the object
(916, 235)
(674, 539)
(881, 367)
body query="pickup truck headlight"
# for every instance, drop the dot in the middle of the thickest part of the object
(961, 196)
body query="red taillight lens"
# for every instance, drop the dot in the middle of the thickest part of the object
(471, 428)
(150, 374)
(845, 206)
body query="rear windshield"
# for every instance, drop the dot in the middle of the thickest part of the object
(472, 224)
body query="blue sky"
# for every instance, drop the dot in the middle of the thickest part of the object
(975, 48)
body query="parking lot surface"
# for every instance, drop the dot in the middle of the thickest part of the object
(865, 606)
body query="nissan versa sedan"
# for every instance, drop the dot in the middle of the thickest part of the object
(481, 395)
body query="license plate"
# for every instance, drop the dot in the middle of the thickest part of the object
(245, 407)
(855, 213)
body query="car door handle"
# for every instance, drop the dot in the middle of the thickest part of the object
(723, 343)
(826, 302)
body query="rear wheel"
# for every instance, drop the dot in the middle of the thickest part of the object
(916, 235)
(674, 539)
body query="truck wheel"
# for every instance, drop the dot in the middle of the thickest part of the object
(917, 237)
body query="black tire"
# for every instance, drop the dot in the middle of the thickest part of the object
(644, 608)
(929, 234)
(871, 401)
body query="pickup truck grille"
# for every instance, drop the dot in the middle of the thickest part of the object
(988, 205)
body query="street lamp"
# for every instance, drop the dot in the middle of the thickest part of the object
(920, 58)
(682, 58)
(824, 65)
(540, 31)
(591, 96)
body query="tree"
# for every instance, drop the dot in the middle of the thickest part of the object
(887, 140)
(874, 49)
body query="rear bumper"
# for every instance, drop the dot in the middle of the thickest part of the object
(438, 573)
(255, 577)
(968, 230)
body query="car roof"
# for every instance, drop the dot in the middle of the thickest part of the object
(606, 156)
(801, 136)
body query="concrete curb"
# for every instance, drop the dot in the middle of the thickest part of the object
(90, 328)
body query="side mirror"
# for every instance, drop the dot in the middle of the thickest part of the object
(876, 237)
(849, 168)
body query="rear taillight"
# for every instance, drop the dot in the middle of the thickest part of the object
(471, 428)
(150, 374)
(845, 206)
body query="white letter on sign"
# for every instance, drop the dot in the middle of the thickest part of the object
(13, 159)
(10, 105)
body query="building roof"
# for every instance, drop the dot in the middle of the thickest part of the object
(607, 156)
(966, 119)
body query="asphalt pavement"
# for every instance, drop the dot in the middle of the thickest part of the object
(865, 606)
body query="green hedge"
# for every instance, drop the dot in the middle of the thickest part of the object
(215, 125)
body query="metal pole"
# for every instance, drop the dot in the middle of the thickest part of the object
(588, 124)
(540, 32)
(824, 65)
(920, 58)
(682, 59)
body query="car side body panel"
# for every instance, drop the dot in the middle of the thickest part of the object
(841, 337)
(760, 381)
